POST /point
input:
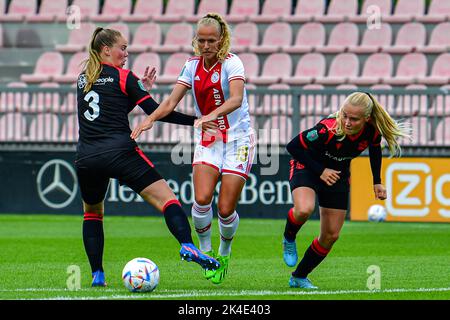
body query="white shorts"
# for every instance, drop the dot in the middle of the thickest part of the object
(234, 157)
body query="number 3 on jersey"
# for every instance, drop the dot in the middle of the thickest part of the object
(93, 99)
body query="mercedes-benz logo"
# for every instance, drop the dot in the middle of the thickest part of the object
(65, 191)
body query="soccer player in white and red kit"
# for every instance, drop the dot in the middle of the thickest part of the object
(226, 143)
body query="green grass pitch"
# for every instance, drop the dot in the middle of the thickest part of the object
(36, 252)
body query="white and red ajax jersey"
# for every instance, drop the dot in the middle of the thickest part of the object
(210, 89)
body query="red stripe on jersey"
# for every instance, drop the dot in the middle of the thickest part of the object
(143, 99)
(184, 83)
(302, 141)
(236, 78)
(143, 156)
(235, 172)
(206, 164)
(123, 74)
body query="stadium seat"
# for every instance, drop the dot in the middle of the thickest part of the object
(206, 6)
(123, 28)
(272, 41)
(74, 68)
(87, 8)
(312, 103)
(13, 127)
(241, 10)
(178, 38)
(343, 36)
(245, 34)
(343, 67)
(2, 8)
(441, 104)
(144, 60)
(69, 130)
(113, 11)
(421, 132)
(385, 99)
(49, 11)
(69, 104)
(409, 37)
(339, 10)
(337, 100)
(276, 129)
(252, 98)
(307, 122)
(79, 39)
(272, 11)
(412, 104)
(250, 61)
(146, 36)
(310, 37)
(144, 11)
(44, 127)
(19, 10)
(177, 11)
(377, 67)
(411, 67)
(44, 101)
(14, 102)
(306, 11)
(440, 72)
(442, 133)
(48, 65)
(406, 10)
(309, 67)
(1, 36)
(438, 11)
(172, 68)
(276, 66)
(276, 103)
(439, 39)
(370, 8)
(374, 40)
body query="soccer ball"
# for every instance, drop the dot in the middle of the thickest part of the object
(377, 213)
(140, 275)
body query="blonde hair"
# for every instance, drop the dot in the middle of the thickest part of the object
(223, 29)
(93, 64)
(389, 128)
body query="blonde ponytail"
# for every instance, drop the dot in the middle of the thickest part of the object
(93, 65)
(223, 29)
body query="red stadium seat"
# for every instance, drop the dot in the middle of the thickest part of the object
(276, 103)
(50, 10)
(144, 11)
(371, 7)
(69, 130)
(49, 64)
(311, 36)
(441, 104)
(421, 132)
(411, 67)
(343, 36)
(374, 40)
(177, 11)
(251, 65)
(340, 10)
(245, 34)
(438, 11)
(44, 101)
(308, 122)
(146, 36)
(307, 10)
(74, 68)
(272, 11)
(412, 104)
(406, 10)
(276, 66)
(172, 68)
(343, 67)
(123, 28)
(386, 100)
(410, 36)
(272, 42)
(442, 133)
(439, 39)
(312, 103)
(337, 100)
(87, 8)
(377, 67)
(13, 127)
(309, 67)
(14, 102)
(44, 127)
(178, 38)
(143, 60)
(277, 129)
(241, 10)
(69, 104)
(206, 6)
(440, 72)
(79, 38)
(113, 11)
(20, 10)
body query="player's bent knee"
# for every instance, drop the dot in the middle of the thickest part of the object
(303, 214)
(225, 210)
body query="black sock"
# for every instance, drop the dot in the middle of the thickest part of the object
(93, 239)
(177, 222)
(314, 255)
(292, 226)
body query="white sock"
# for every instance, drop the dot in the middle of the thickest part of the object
(202, 217)
(227, 227)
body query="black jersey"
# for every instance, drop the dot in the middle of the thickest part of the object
(103, 111)
(325, 149)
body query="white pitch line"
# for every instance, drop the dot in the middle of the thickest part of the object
(176, 294)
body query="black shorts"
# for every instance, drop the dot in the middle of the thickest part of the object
(334, 197)
(130, 167)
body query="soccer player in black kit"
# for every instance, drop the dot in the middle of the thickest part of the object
(321, 165)
(106, 93)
